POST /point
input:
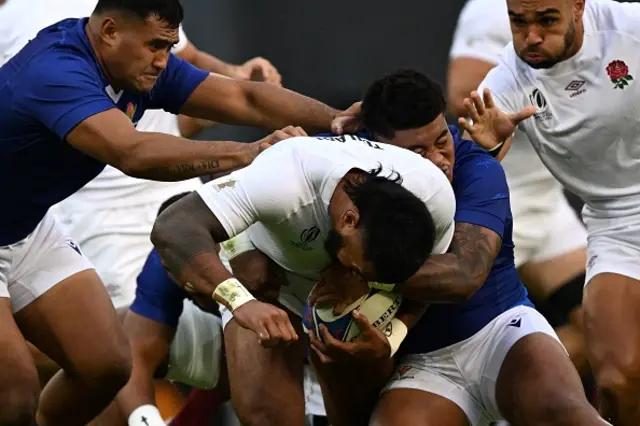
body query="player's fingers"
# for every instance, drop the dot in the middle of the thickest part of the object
(523, 114)
(330, 342)
(477, 102)
(262, 332)
(301, 131)
(488, 98)
(321, 356)
(465, 124)
(362, 322)
(471, 110)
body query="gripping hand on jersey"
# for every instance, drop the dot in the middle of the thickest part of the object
(490, 126)
(255, 148)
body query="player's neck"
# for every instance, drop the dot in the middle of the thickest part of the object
(95, 46)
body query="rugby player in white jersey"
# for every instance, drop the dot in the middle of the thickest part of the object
(550, 240)
(304, 203)
(576, 63)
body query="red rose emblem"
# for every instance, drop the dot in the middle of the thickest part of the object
(618, 72)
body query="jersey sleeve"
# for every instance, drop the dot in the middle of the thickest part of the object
(482, 194)
(158, 298)
(60, 91)
(266, 191)
(504, 88)
(176, 83)
(481, 38)
(442, 207)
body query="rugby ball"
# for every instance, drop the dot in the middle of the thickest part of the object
(379, 307)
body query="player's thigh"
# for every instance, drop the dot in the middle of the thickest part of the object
(538, 384)
(266, 383)
(19, 386)
(400, 407)
(351, 391)
(612, 327)
(76, 325)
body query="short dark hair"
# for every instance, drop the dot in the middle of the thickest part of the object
(171, 200)
(397, 229)
(405, 99)
(167, 10)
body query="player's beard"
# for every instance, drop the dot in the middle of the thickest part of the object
(333, 244)
(569, 40)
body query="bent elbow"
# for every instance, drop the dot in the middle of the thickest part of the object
(160, 233)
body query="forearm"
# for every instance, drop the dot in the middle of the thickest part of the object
(442, 279)
(164, 157)
(210, 63)
(281, 107)
(410, 312)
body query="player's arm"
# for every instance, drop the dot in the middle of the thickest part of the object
(110, 137)
(258, 104)
(464, 76)
(483, 206)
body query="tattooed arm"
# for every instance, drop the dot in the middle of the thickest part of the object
(457, 275)
(111, 138)
(185, 235)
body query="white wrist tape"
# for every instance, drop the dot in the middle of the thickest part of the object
(232, 294)
(381, 286)
(395, 331)
(146, 415)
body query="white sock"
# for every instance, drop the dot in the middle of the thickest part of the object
(146, 415)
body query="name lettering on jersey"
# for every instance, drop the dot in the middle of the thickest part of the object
(618, 73)
(307, 237)
(538, 100)
(576, 87)
(344, 138)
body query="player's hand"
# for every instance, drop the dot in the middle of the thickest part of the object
(348, 121)
(490, 125)
(255, 148)
(258, 69)
(338, 286)
(259, 274)
(269, 322)
(370, 346)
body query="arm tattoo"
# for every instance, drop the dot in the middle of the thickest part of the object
(455, 276)
(185, 235)
(179, 171)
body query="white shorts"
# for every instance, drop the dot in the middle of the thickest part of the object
(540, 235)
(196, 351)
(32, 266)
(117, 242)
(466, 372)
(613, 246)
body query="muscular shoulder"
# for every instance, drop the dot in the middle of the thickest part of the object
(474, 166)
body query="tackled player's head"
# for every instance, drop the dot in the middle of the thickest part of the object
(381, 231)
(546, 32)
(406, 108)
(133, 38)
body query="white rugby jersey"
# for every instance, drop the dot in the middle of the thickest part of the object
(283, 196)
(482, 32)
(587, 128)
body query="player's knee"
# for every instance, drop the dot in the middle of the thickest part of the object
(263, 415)
(619, 378)
(109, 371)
(19, 403)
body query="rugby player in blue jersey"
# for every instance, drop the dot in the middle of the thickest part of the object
(69, 102)
(481, 352)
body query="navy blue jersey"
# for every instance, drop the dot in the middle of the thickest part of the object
(482, 198)
(52, 85)
(158, 297)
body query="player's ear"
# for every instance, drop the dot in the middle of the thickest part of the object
(578, 9)
(349, 221)
(108, 31)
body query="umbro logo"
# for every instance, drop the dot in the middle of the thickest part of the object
(516, 322)
(576, 87)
